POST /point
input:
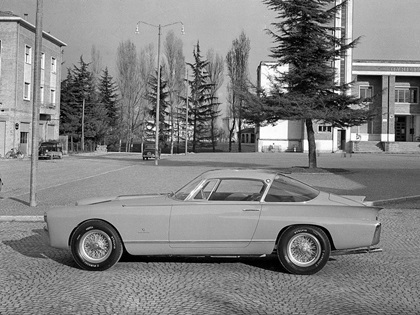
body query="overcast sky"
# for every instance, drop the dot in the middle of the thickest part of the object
(389, 28)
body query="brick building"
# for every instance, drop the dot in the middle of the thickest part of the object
(17, 49)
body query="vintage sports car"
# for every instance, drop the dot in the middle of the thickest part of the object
(219, 213)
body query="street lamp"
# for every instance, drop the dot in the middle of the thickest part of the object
(159, 27)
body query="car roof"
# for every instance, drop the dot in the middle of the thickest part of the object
(261, 174)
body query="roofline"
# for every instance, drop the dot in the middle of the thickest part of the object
(32, 27)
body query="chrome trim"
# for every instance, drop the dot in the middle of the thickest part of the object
(377, 234)
(356, 251)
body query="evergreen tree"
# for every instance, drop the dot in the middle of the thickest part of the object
(164, 127)
(69, 120)
(78, 88)
(307, 43)
(201, 106)
(109, 97)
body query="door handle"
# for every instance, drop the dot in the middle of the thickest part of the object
(250, 209)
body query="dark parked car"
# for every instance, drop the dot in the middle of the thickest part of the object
(148, 151)
(50, 150)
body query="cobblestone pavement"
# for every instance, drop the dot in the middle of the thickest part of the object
(37, 279)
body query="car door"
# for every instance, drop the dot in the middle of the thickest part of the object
(222, 214)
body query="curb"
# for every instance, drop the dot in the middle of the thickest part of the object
(386, 201)
(21, 218)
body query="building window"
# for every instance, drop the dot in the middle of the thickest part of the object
(0, 57)
(27, 91)
(42, 61)
(406, 95)
(366, 93)
(53, 65)
(24, 137)
(52, 96)
(41, 95)
(324, 128)
(28, 54)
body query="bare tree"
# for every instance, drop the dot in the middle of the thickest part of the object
(147, 70)
(215, 70)
(130, 85)
(95, 64)
(237, 62)
(174, 69)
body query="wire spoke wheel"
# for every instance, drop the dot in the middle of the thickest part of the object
(304, 249)
(95, 246)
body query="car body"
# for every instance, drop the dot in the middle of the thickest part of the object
(219, 213)
(50, 150)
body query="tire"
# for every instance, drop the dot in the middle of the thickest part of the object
(303, 250)
(96, 246)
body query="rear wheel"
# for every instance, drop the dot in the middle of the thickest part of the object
(303, 250)
(96, 245)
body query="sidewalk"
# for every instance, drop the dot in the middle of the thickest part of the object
(382, 178)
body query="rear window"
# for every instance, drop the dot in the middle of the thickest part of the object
(286, 189)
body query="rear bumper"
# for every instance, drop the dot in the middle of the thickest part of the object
(367, 250)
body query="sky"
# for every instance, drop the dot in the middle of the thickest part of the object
(389, 28)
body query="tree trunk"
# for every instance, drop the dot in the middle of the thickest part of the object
(312, 145)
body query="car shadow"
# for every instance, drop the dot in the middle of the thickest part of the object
(269, 263)
(37, 246)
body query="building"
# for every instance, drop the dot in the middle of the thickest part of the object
(17, 49)
(390, 86)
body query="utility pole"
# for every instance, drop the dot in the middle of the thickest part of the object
(186, 118)
(36, 102)
(159, 27)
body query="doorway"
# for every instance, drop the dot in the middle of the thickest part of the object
(341, 139)
(400, 128)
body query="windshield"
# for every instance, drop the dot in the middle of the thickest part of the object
(184, 192)
(286, 189)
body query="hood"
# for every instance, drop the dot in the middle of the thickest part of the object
(122, 199)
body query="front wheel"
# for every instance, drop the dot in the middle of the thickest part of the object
(96, 245)
(303, 250)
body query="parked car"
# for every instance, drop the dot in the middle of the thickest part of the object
(50, 150)
(219, 213)
(148, 151)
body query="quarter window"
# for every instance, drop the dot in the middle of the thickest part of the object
(285, 189)
(406, 95)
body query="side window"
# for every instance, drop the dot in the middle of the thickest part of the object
(238, 190)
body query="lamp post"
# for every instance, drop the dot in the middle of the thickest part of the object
(159, 27)
(186, 120)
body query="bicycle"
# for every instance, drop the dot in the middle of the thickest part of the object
(14, 154)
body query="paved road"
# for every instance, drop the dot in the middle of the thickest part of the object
(62, 182)
(36, 279)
